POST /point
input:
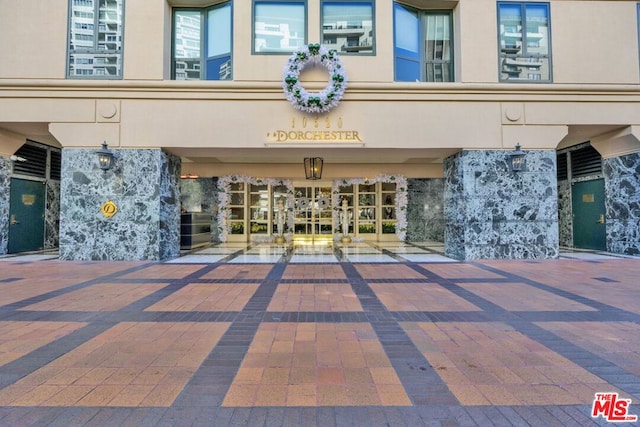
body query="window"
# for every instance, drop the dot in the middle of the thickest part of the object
(423, 45)
(525, 43)
(95, 39)
(202, 43)
(278, 26)
(347, 26)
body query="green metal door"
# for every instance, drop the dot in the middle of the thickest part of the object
(26, 215)
(589, 230)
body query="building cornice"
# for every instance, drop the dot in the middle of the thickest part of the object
(360, 91)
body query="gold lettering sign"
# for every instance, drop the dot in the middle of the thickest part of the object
(588, 198)
(109, 209)
(314, 136)
(28, 199)
(315, 129)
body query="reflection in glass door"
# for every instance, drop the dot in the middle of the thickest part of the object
(312, 211)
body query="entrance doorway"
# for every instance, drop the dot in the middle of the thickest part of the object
(312, 211)
(26, 213)
(589, 229)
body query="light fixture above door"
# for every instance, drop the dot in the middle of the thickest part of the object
(313, 167)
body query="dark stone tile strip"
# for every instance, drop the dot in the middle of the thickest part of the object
(210, 382)
(419, 379)
(198, 280)
(314, 281)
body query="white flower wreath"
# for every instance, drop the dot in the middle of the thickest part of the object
(326, 99)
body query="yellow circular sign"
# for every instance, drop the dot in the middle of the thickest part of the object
(109, 209)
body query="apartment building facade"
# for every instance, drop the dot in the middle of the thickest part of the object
(406, 114)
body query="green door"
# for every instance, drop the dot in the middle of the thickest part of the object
(26, 215)
(589, 230)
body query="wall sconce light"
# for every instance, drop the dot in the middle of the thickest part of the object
(313, 167)
(516, 159)
(106, 159)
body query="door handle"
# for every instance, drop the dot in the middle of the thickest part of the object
(601, 219)
(13, 220)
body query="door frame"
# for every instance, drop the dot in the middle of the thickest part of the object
(589, 225)
(39, 218)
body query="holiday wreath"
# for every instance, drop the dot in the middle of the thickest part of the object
(326, 99)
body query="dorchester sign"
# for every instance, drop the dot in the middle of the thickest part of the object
(315, 136)
(324, 129)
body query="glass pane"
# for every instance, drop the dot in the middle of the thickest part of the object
(237, 228)
(537, 30)
(279, 27)
(96, 38)
(219, 31)
(367, 200)
(388, 212)
(219, 43)
(524, 42)
(388, 227)
(301, 229)
(257, 228)
(348, 27)
(186, 45)
(237, 213)
(407, 29)
(255, 187)
(346, 189)
(438, 47)
(237, 198)
(259, 213)
(325, 229)
(237, 186)
(389, 199)
(366, 228)
(259, 199)
(367, 188)
(367, 213)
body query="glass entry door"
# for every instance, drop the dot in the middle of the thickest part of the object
(312, 210)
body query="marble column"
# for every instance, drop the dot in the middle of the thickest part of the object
(425, 220)
(52, 215)
(565, 214)
(622, 202)
(5, 187)
(144, 187)
(493, 213)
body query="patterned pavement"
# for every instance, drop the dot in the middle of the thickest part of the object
(386, 334)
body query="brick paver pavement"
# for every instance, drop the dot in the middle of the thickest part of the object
(518, 342)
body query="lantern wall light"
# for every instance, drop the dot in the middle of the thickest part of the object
(517, 159)
(106, 158)
(313, 167)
